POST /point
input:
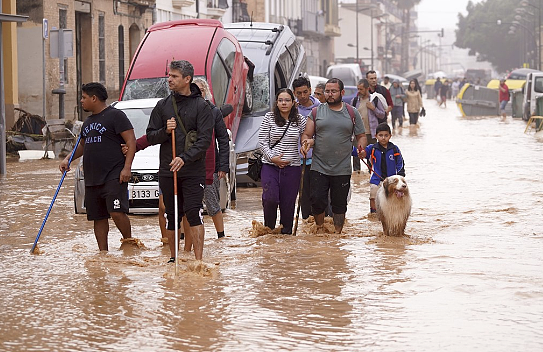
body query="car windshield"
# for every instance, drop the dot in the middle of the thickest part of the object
(139, 117)
(147, 88)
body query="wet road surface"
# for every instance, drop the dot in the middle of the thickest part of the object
(467, 277)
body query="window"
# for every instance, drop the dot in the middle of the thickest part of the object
(121, 56)
(227, 50)
(219, 80)
(102, 48)
(287, 67)
(538, 84)
(62, 18)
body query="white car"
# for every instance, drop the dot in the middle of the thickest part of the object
(143, 190)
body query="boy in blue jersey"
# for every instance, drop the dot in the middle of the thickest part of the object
(385, 159)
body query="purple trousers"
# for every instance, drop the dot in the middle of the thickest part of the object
(279, 189)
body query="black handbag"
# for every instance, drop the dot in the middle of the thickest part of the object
(422, 112)
(255, 160)
(255, 165)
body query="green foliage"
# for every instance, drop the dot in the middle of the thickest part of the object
(479, 31)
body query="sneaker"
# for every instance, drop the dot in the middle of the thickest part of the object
(172, 260)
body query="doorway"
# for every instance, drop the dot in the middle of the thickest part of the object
(83, 52)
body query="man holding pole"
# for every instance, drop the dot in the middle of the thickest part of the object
(185, 113)
(107, 171)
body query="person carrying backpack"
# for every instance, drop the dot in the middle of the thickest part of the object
(329, 131)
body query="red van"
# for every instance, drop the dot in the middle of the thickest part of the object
(215, 54)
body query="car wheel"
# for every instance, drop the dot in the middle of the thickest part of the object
(248, 99)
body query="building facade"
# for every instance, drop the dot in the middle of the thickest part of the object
(103, 36)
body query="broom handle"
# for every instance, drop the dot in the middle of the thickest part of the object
(54, 197)
(176, 212)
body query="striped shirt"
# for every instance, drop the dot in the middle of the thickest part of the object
(270, 133)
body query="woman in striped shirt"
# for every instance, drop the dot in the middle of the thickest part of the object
(281, 171)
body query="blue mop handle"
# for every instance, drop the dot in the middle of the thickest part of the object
(54, 197)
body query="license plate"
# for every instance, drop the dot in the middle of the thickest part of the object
(143, 193)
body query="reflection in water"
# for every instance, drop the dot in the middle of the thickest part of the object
(466, 277)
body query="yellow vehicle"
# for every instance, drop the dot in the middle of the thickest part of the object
(516, 79)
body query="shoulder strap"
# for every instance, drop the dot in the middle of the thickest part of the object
(177, 115)
(355, 100)
(351, 112)
(279, 140)
(314, 114)
(350, 109)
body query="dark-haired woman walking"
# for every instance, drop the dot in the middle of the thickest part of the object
(414, 102)
(278, 140)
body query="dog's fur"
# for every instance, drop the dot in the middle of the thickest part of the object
(393, 205)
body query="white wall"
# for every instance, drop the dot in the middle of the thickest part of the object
(347, 24)
(29, 47)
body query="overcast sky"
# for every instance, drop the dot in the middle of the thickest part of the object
(436, 14)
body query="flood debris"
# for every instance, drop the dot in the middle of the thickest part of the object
(37, 250)
(133, 241)
(259, 229)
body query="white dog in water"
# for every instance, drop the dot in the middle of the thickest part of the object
(393, 205)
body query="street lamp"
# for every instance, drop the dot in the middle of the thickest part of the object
(512, 30)
(357, 10)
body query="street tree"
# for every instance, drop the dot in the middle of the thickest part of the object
(486, 32)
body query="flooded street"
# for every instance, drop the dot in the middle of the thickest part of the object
(469, 275)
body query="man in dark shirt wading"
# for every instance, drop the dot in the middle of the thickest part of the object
(195, 115)
(107, 171)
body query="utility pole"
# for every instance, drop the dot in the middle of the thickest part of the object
(357, 57)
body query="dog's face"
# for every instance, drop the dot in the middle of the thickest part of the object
(395, 185)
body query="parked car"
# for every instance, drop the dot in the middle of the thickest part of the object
(516, 79)
(143, 186)
(533, 89)
(350, 93)
(278, 59)
(349, 74)
(215, 54)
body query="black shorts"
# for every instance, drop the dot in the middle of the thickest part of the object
(190, 192)
(338, 186)
(107, 198)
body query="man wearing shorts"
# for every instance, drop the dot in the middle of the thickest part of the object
(107, 171)
(504, 97)
(330, 133)
(186, 105)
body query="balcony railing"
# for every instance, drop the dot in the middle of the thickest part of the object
(313, 23)
(216, 8)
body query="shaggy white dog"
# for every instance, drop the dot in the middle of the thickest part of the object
(393, 205)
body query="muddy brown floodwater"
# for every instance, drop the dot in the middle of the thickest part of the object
(468, 276)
